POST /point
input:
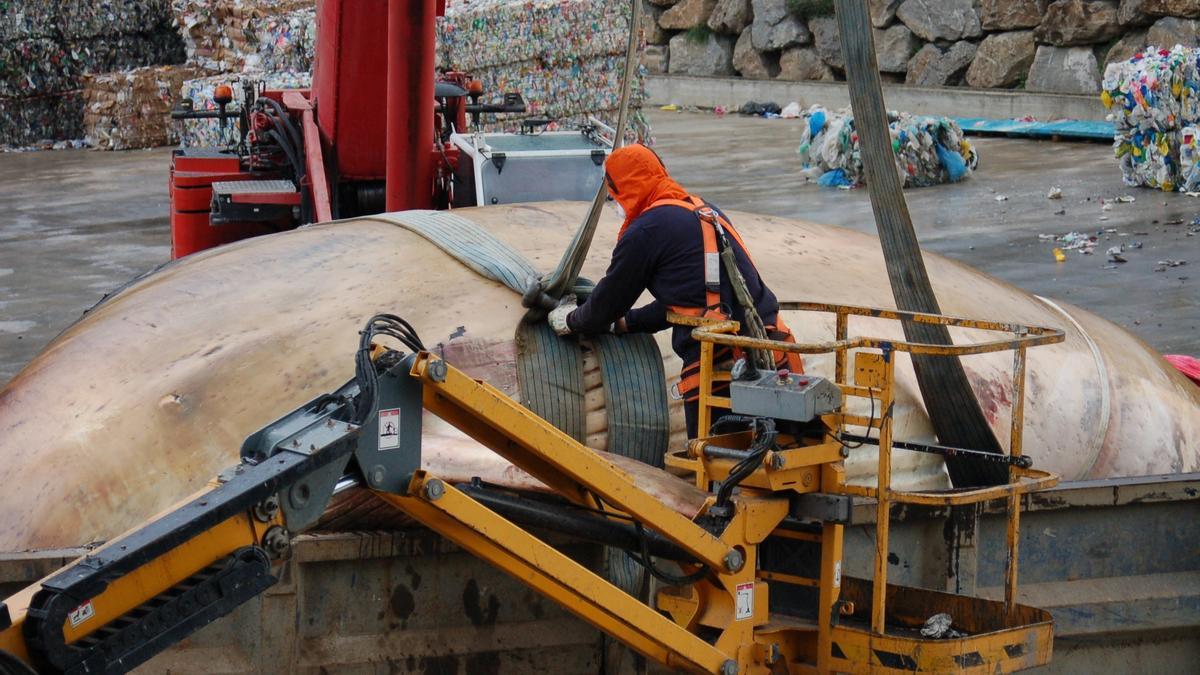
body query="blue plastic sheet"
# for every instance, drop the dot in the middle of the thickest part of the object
(956, 167)
(834, 178)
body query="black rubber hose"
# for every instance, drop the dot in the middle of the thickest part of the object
(293, 132)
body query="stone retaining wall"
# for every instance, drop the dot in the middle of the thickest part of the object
(1059, 46)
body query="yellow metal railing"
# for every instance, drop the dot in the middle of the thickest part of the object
(875, 376)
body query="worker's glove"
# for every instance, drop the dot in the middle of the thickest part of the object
(558, 316)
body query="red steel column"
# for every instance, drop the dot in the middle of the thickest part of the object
(410, 78)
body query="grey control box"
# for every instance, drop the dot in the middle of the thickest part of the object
(786, 396)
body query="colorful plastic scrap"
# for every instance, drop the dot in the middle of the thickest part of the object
(1154, 103)
(929, 150)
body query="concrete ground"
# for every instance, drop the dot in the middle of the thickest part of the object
(77, 224)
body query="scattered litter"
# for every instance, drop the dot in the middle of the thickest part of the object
(1125, 199)
(765, 109)
(1001, 198)
(1114, 254)
(1059, 256)
(1106, 207)
(670, 107)
(929, 150)
(1072, 241)
(1055, 193)
(1172, 263)
(938, 626)
(791, 111)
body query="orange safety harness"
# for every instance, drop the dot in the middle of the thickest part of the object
(708, 218)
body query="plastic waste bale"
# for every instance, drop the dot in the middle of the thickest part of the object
(1154, 103)
(1149, 158)
(229, 36)
(565, 57)
(928, 150)
(1189, 159)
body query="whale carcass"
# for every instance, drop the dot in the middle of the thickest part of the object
(151, 393)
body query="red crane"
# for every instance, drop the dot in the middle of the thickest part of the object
(374, 133)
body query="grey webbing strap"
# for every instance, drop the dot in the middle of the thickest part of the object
(635, 393)
(550, 368)
(550, 377)
(563, 277)
(469, 244)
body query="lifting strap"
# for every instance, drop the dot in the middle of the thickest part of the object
(562, 278)
(550, 368)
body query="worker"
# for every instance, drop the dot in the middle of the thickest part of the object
(668, 244)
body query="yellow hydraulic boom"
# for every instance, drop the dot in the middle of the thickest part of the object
(732, 599)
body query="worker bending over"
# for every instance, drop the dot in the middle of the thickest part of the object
(669, 243)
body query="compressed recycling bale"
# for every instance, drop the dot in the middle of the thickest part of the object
(222, 35)
(132, 109)
(28, 121)
(1148, 158)
(477, 34)
(1153, 98)
(27, 19)
(566, 58)
(929, 150)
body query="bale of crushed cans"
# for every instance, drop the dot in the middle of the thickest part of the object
(929, 150)
(49, 47)
(1154, 102)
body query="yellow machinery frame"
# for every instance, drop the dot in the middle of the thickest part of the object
(874, 374)
(732, 602)
(721, 622)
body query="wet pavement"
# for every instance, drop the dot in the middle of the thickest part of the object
(77, 224)
(74, 225)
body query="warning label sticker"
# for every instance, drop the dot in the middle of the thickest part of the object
(745, 601)
(82, 613)
(389, 428)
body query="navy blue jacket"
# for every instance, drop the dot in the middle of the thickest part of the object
(663, 251)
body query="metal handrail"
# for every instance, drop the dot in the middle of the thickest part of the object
(720, 332)
(711, 332)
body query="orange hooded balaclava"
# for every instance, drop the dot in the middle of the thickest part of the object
(636, 178)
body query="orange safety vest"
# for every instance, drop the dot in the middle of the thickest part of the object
(689, 377)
